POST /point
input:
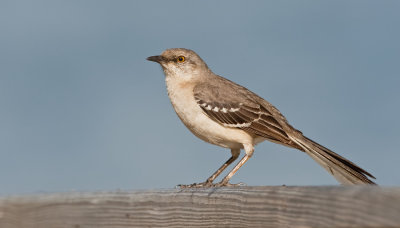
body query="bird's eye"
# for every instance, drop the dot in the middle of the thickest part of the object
(181, 59)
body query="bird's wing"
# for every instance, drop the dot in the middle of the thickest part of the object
(234, 106)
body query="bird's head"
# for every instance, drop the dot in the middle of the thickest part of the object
(182, 63)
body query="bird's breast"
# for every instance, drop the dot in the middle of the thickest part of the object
(183, 101)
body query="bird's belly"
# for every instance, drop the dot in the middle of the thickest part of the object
(205, 128)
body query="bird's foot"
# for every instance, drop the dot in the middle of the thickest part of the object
(211, 185)
(205, 184)
(229, 185)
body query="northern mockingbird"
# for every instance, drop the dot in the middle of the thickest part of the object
(226, 114)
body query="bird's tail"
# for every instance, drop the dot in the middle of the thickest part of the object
(344, 171)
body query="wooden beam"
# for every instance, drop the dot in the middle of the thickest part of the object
(280, 206)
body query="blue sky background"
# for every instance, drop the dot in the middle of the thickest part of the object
(81, 109)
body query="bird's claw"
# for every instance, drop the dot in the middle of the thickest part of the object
(210, 185)
(229, 185)
(196, 185)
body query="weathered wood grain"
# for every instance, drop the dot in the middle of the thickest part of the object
(281, 206)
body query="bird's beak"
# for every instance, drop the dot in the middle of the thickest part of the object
(156, 58)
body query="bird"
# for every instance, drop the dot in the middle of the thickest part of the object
(228, 115)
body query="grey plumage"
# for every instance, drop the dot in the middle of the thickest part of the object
(235, 107)
(257, 116)
(250, 114)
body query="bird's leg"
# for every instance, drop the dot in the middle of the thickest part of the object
(249, 149)
(235, 155)
(209, 182)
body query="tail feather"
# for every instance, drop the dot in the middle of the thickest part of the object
(345, 171)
